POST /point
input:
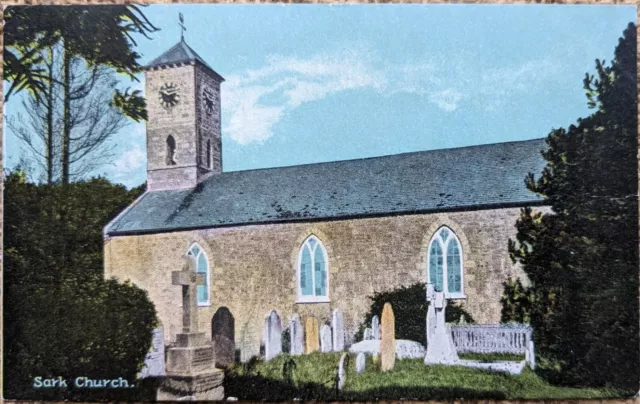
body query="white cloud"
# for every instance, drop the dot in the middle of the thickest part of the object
(446, 100)
(130, 161)
(256, 100)
(292, 82)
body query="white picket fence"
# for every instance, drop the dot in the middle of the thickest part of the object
(488, 338)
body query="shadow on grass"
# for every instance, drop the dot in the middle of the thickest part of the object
(256, 387)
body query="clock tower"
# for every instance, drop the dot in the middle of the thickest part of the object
(184, 144)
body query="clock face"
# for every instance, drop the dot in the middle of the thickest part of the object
(208, 100)
(169, 96)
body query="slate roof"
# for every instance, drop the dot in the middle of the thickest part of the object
(474, 177)
(178, 54)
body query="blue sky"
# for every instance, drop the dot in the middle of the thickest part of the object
(313, 83)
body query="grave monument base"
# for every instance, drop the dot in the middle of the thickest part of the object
(204, 386)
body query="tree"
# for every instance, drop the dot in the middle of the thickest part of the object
(69, 139)
(61, 317)
(582, 257)
(39, 130)
(410, 308)
(29, 30)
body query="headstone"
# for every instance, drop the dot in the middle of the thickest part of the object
(440, 347)
(190, 365)
(311, 335)
(342, 371)
(154, 361)
(387, 339)
(325, 338)
(223, 337)
(375, 326)
(248, 346)
(361, 362)
(272, 336)
(297, 335)
(368, 334)
(337, 324)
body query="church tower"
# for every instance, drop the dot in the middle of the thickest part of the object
(184, 144)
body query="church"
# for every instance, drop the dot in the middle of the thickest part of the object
(311, 238)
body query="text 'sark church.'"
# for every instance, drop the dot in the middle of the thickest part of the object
(310, 238)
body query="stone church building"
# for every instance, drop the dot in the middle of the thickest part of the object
(313, 237)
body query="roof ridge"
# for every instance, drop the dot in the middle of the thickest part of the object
(381, 157)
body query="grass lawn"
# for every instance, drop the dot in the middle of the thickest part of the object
(309, 377)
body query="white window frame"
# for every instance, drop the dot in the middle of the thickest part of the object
(312, 298)
(445, 269)
(208, 273)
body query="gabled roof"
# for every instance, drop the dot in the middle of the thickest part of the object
(178, 54)
(476, 177)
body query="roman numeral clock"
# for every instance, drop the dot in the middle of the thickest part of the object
(169, 95)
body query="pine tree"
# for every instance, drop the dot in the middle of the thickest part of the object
(582, 257)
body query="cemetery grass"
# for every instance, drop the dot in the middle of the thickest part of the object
(311, 377)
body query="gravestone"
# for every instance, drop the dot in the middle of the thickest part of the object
(440, 347)
(325, 338)
(223, 337)
(368, 334)
(337, 324)
(154, 361)
(297, 335)
(342, 371)
(361, 362)
(387, 339)
(248, 348)
(190, 363)
(311, 335)
(375, 327)
(272, 336)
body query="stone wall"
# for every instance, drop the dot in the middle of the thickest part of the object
(208, 122)
(253, 268)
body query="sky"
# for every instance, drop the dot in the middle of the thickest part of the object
(315, 83)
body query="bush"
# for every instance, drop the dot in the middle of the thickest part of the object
(61, 317)
(410, 311)
(517, 301)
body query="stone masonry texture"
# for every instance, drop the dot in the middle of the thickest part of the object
(253, 268)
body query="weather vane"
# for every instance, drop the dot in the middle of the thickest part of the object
(183, 28)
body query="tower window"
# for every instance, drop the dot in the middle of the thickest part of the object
(209, 153)
(171, 151)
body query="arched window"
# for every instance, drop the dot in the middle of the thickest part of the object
(445, 270)
(208, 153)
(171, 151)
(313, 279)
(202, 267)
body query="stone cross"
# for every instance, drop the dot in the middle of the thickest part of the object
(189, 279)
(440, 346)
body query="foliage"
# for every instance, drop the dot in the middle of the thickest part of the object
(311, 377)
(517, 301)
(582, 257)
(85, 137)
(30, 29)
(61, 317)
(410, 311)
